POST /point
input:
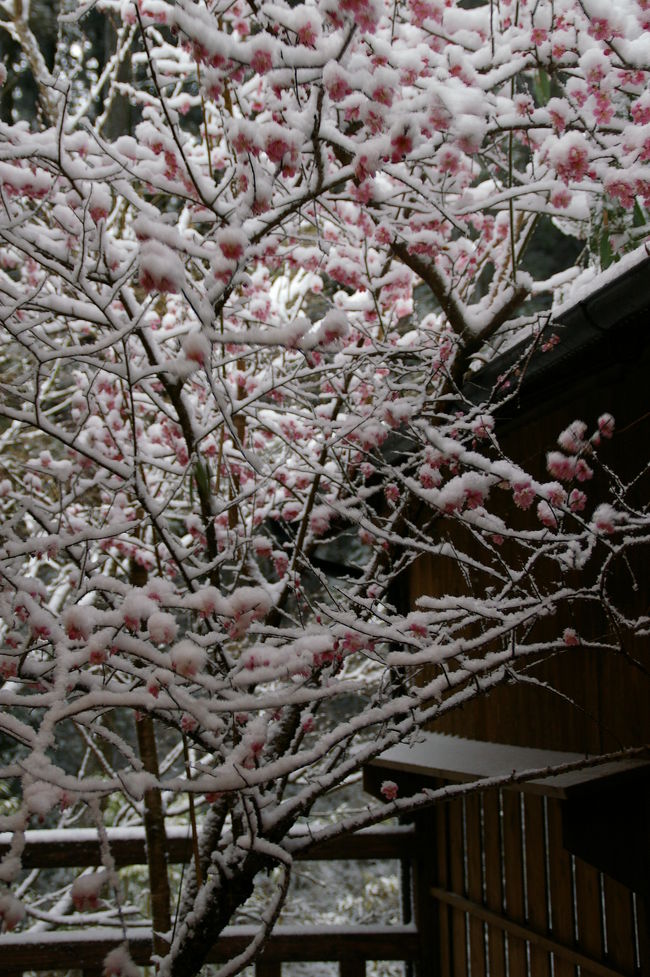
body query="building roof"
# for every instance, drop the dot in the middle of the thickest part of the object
(601, 330)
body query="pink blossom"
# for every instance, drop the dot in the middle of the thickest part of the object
(483, 426)
(188, 658)
(554, 339)
(523, 495)
(561, 466)
(422, 10)
(546, 515)
(583, 472)
(429, 477)
(418, 626)
(160, 268)
(97, 654)
(570, 156)
(308, 34)
(573, 437)
(392, 493)
(338, 88)
(319, 520)
(12, 911)
(570, 638)
(389, 790)
(640, 110)
(606, 425)
(602, 29)
(261, 62)
(262, 547)
(280, 562)
(605, 518)
(86, 889)
(232, 242)
(401, 144)
(577, 500)
(78, 622)
(8, 666)
(162, 627)
(555, 493)
(291, 511)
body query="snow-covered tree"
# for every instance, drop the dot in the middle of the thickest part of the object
(235, 341)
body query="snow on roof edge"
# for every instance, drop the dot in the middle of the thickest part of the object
(595, 284)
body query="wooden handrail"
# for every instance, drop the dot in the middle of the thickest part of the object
(350, 946)
(87, 950)
(70, 848)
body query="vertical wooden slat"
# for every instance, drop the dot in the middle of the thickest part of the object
(426, 911)
(443, 880)
(590, 930)
(536, 881)
(493, 877)
(458, 948)
(561, 884)
(619, 917)
(268, 968)
(474, 841)
(513, 865)
(352, 967)
(643, 929)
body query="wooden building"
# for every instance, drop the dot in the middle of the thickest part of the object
(540, 880)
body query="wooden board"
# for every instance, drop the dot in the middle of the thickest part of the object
(514, 878)
(540, 964)
(561, 886)
(460, 760)
(492, 802)
(474, 847)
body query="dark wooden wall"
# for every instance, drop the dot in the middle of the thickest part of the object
(609, 693)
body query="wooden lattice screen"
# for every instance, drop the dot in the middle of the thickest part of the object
(511, 882)
(511, 900)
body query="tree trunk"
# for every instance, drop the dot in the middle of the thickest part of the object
(154, 827)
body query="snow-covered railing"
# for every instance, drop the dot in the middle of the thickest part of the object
(350, 946)
(76, 847)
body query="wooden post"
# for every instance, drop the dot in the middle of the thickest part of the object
(352, 967)
(643, 922)
(154, 826)
(492, 804)
(268, 968)
(425, 909)
(474, 849)
(154, 816)
(406, 893)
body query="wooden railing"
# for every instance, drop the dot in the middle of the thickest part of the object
(516, 880)
(350, 946)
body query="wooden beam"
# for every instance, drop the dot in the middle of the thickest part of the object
(439, 756)
(86, 950)
(72, 848)
(592, 966)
